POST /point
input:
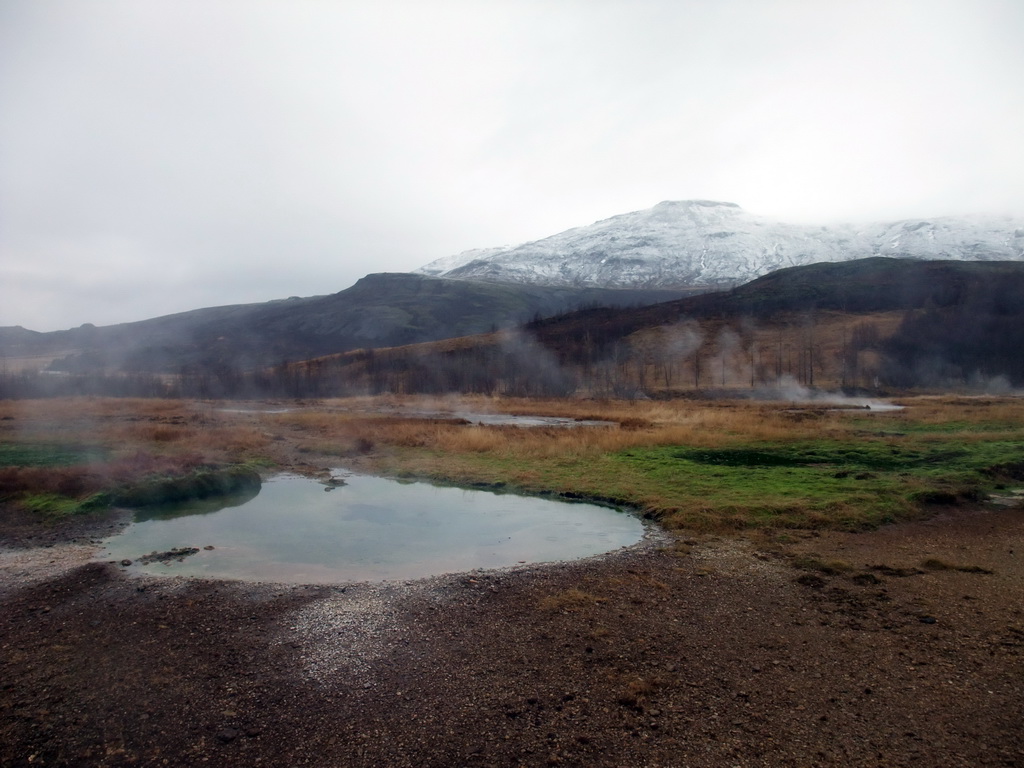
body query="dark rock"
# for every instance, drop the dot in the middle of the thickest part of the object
(179, 553)
(811, 580)
(866, 579)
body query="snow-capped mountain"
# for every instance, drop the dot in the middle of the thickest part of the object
(700, 242)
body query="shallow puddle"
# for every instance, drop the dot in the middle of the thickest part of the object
(507, 419)
(511, 420)
(370, 529)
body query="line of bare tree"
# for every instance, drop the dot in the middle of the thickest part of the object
(930, 347)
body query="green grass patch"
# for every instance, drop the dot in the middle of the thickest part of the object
(876, 455)
(852, 482)
(855, 485)
(848, 485)
(49, 455)
(200, 484)
(786, 490)
(907, 427)
(55, 507)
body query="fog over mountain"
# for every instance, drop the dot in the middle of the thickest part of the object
(701, 242)
(165, 155)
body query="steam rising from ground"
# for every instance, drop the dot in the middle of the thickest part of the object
(790, 390)
(811, 358)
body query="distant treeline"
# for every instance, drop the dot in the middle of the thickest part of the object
(939, 345)
(594, 353)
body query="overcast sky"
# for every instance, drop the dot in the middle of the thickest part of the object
(163, 155)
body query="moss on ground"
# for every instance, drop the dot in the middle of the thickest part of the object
(29, 454)
(55, 507)
(848, 484)
(200, 484)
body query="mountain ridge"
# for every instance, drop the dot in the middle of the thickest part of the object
(688, 243)
(860, 325)
(382, 309)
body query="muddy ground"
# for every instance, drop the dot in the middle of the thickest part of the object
(717, 653)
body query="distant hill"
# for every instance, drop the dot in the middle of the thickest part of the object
(870, 325)
(877, 284)
(860, 325)
(689, 243)
(378, 311)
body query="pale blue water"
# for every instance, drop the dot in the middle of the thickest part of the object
(370, 529)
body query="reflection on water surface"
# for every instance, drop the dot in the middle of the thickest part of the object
(372, 528)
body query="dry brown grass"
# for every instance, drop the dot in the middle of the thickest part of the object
(83, 480)
(369, 431)
(637, 690)
(358, 425)
(980, 410)
(569, 601)
(680, 423)
(132, 432)
(382, 435)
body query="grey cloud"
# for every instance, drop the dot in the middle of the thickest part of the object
(161, 156)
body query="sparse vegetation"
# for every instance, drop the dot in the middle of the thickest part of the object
(828, 567)
(936, 564)
(728, 465)
(53, 507)
(60, 458)
(200, 484)
(570, 600)
(637, 691)
(46, 455)
(709, 465)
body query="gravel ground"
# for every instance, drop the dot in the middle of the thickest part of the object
(713, 652)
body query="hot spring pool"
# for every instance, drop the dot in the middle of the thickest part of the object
(370, 529)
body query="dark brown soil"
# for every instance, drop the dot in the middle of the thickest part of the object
(715, 653)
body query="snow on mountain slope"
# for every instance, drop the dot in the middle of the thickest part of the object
(448, 263)
(701, 242)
